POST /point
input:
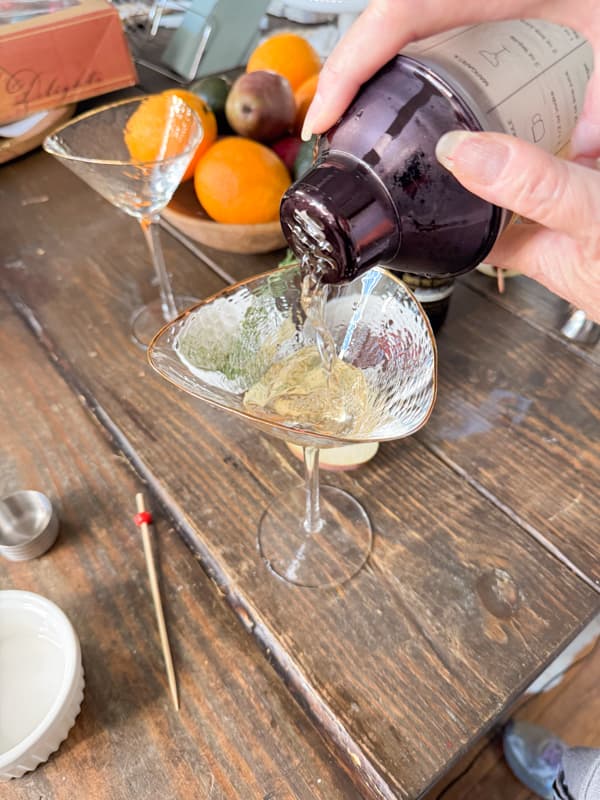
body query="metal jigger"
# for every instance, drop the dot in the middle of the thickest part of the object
(579, 327)
(28, 525)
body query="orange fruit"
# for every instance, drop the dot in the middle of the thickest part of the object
(304, 97)
(207, 120)
(241, 181)
(146, 134)
(287, 54)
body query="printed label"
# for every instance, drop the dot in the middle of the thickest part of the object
(528, 77)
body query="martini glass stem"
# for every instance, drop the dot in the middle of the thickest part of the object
(312, 520)
(150, 227)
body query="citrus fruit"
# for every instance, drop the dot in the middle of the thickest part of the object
(287, 54)
(241, 181)
(152, 132)
(214, 90)
(207, 120)
(304, 95)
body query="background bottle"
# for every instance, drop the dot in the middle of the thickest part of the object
(377, 193)
(433, 294)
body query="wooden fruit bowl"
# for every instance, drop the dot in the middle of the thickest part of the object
(185, 213)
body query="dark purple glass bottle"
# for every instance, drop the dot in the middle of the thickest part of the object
(377, 193)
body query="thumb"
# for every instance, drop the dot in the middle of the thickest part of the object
(514, 174)
(585, 140)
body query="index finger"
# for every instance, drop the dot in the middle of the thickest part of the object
(383, 29)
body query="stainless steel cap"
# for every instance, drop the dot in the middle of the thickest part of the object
(28, 525)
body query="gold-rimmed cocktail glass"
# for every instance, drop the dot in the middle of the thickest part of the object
(94, 147)
(314, 535)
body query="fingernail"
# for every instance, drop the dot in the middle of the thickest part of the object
(472, 155)
(306, 134)
(311, 115)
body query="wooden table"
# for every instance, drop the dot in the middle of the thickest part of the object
(485, 562)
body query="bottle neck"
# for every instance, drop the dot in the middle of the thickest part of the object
(378, 194)
(340, 215)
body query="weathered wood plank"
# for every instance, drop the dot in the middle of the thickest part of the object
(519, 414)
(239, 733)
(534, 303)
(518, 411)
(570, 710)
(406, 666)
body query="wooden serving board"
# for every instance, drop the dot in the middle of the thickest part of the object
(238, 734)
(19, 145)
(462, 602)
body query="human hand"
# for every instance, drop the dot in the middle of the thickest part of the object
(386, 26)
(562, 250)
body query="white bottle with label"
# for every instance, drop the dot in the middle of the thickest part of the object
(525, 77)
(377, 193)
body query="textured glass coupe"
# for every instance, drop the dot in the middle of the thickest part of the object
(313, 535)
(94, 147)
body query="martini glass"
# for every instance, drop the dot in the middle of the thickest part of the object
(94, 147)
(313, 535)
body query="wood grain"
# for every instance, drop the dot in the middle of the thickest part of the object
(15, 146)
(531, 301)
(185, 213)
(570, 710)
(518, 412)
(459, 607)
(238, 734)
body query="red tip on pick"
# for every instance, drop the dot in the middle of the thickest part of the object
(143, 517)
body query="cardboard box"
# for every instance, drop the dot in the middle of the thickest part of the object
(61, 57)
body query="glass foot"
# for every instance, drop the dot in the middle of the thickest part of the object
(329, 557)
(147, 320)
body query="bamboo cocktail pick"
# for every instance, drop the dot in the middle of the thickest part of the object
(143, 519)
(500, 279)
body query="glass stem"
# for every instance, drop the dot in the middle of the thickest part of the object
(150, 227)
(312, 521)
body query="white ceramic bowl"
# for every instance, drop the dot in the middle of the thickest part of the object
(41, 681)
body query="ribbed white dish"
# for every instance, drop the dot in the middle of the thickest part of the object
(41, 681)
